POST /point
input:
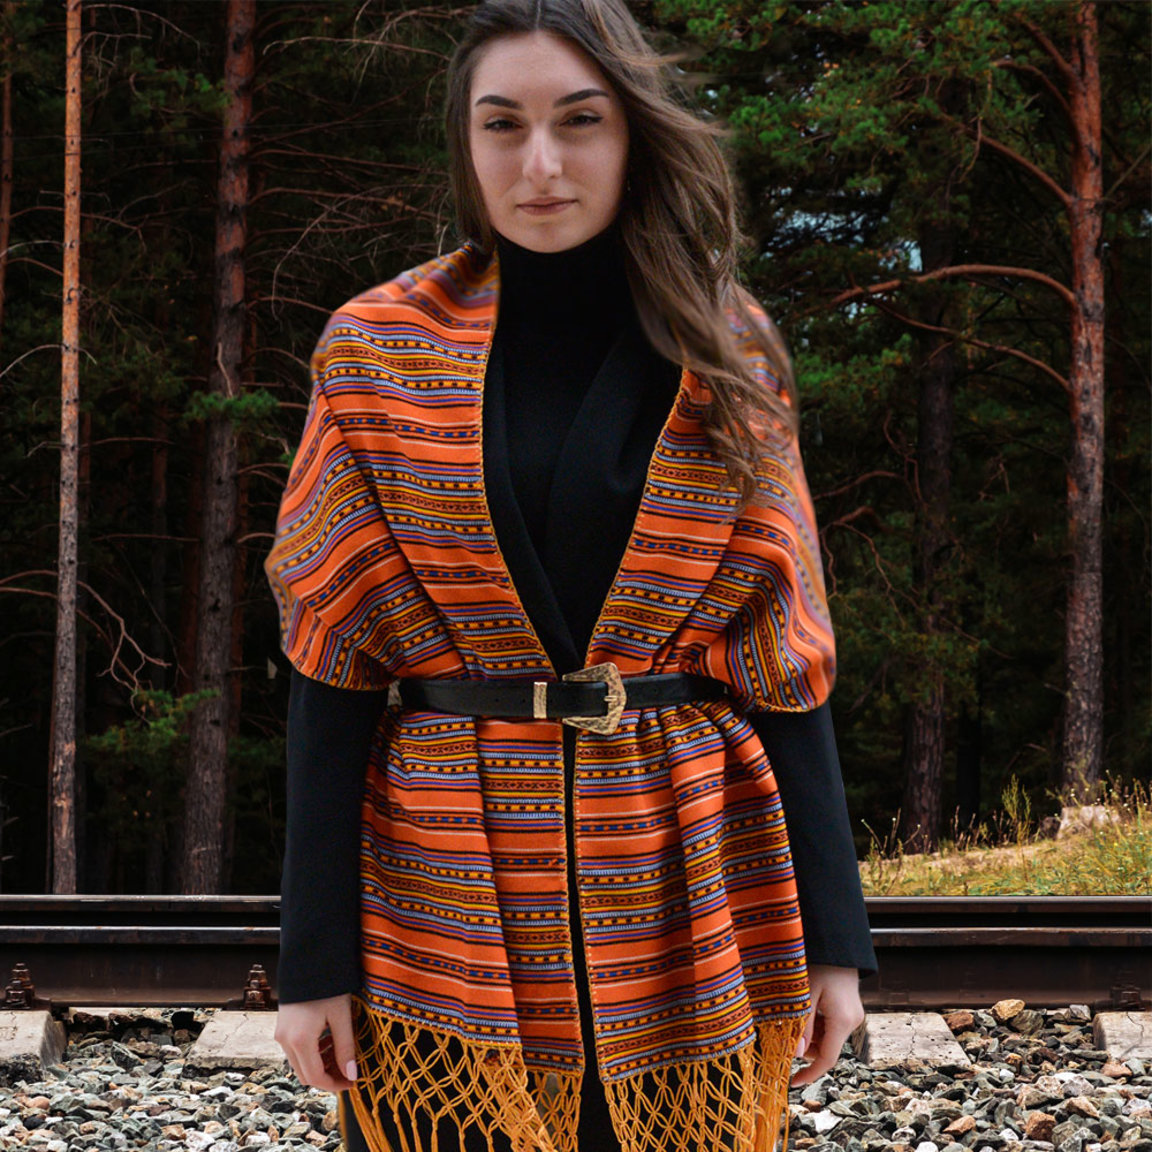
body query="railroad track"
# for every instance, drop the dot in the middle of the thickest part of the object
(933, 952)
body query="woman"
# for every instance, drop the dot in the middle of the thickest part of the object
(576, 916)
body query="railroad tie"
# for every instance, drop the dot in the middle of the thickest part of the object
(887, 1039)
(240, 1040)
(1123, 1035)
(30, 1042)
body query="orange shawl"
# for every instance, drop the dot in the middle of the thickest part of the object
(385, 566)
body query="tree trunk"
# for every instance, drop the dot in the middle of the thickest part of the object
(1084, 658)
(205, 796)
(924, 743)
(6, 163)
(1126, 596)
(63, 775)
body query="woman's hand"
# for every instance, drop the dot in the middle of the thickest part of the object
(836, 1014)
(317, 1038)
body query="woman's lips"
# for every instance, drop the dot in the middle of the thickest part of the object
(544, 207)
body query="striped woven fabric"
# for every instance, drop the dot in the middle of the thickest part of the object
(386, 565)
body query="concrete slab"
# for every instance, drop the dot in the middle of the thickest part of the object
(1124, 1035)
(29, 1042)
(236, 1040)
(891, 1038)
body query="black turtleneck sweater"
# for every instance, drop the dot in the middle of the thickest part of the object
(560, 313)
(567, 355)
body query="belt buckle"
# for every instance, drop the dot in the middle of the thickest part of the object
(616, 699)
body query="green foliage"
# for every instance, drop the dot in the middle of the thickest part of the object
(861, 131)
(346, 190)
(247, 411)
(133, 768)
(840, 116)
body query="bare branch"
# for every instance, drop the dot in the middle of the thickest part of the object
(1050, 50)
(1047, 369)
(855, 483)
(962, 270)
(1052, 90)
(39, 348)
(116, 638)
(1033, 170)
(1128, 171)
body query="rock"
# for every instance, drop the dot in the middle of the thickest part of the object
(1082, 1106)
(824, 1121)
(1072, 1084)
(815, 1093)
(1069, 1136)
(1116, 1070)
(1085, 818)
(1005, 1112)
(943, 1110)
(959, 1021)
(1037, 1095)
(960, 1125)
(1027, 1021)
(1005, 1010)
(1039, 1126)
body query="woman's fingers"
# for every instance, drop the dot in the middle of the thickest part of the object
(343, 1041)
(836, 1013)
(306, 1031)
(824, 1049)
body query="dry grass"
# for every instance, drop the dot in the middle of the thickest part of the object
(1010, 859)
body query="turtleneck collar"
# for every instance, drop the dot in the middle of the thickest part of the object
(582, 286)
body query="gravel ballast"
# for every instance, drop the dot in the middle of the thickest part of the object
(1036, 1084)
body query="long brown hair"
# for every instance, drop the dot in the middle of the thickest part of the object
(677, 218)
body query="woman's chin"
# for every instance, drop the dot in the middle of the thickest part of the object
(552, 234)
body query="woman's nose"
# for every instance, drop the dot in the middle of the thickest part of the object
(542, 161)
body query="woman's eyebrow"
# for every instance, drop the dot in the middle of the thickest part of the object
(574, 98)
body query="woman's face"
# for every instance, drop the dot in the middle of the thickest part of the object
(549, 142)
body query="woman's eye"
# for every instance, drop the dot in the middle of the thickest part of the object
(499, 124)
(581, 119)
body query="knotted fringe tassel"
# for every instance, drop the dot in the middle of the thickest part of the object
(411, 1073)
(734, 1104)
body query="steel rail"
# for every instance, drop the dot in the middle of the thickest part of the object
(933, 952)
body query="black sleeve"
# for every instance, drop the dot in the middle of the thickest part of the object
(802, 749)
(329, 733)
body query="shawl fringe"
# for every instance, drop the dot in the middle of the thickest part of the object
(407, 1071)
(736, 1102)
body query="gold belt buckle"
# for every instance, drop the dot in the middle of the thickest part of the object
(616, 699)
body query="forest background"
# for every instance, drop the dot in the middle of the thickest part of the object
(949, 217)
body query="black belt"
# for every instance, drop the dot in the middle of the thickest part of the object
(591, 698)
